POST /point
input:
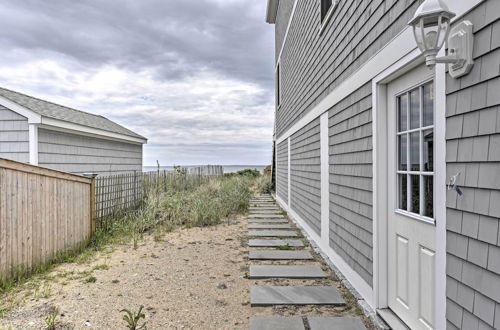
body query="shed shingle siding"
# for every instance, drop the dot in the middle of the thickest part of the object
(282, 171)
(312, 65)
(305, 174)
(473, 150)
(350, 141)
(82, 154)
(14, 136)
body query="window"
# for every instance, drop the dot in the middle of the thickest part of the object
(415, 145)
(278, 86)
(325, 6)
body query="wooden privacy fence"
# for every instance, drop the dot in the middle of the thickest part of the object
(42, 213)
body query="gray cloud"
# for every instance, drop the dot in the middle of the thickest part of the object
(198, 74)
(176, 38)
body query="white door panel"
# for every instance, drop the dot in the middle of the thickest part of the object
(411, 228)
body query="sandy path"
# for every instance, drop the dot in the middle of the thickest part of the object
(194, 279)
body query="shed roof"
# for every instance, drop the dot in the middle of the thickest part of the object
(60, 112)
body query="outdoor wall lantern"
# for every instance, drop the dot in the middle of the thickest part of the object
(431, 28)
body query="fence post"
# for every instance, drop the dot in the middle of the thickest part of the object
(93, 206)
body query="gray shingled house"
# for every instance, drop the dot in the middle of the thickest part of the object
(54, 136)
(387, 149)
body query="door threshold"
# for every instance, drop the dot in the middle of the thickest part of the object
(392, 319)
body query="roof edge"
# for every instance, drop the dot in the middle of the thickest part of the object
(55, 124)
(271, 11)
(69, 127)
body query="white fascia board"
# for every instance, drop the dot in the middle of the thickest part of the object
(401, 45)
(63, 126)
(271, 11)
(33, 117)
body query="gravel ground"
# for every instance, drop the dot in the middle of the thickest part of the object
(192, 279)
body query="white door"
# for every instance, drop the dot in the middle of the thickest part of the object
(411, 226)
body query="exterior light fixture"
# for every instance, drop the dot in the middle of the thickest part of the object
(432, 28)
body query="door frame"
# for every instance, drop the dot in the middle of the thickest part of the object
(380, 176)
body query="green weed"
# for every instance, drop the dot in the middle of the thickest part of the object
(133, 319)
(50, 320)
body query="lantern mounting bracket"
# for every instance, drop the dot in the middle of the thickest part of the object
(459, 58)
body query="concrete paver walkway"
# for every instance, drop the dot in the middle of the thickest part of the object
(273, 224)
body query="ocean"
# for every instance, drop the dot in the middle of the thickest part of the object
(227, 168)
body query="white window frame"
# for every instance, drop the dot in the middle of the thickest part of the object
(420, 129)
(324, 21)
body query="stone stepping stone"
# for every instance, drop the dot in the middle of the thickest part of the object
(276, 323)
(335, 323)
(266, 215)
(272, 233)
(268, 221)
(275, 242)
(286, 271)
(294, 295)
(264, 208)
(258, 211)
(258, 226)
(280, 255)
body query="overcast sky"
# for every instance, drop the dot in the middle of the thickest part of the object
(194, 76)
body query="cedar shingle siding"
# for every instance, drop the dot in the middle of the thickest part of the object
(473, 150)
(82, 154)
(305, 174)
(351, 226)
(14, 136)
(283, 16)
(312, 65)
(282, 171)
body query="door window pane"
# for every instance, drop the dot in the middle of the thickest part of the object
(403, 192)
(415, 151)
(415, 193)
(428, 111)
(415, 148)
(402, 113)
(428, 150)
(414, 108)
(428, 196)
(402, 150)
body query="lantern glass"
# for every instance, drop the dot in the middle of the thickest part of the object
(430, 30)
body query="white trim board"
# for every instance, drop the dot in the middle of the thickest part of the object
(286, 33)
(325, 178)
(351, 276)
(401, 45)
(33, 143)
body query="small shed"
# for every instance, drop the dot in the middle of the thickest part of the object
(50, 135)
